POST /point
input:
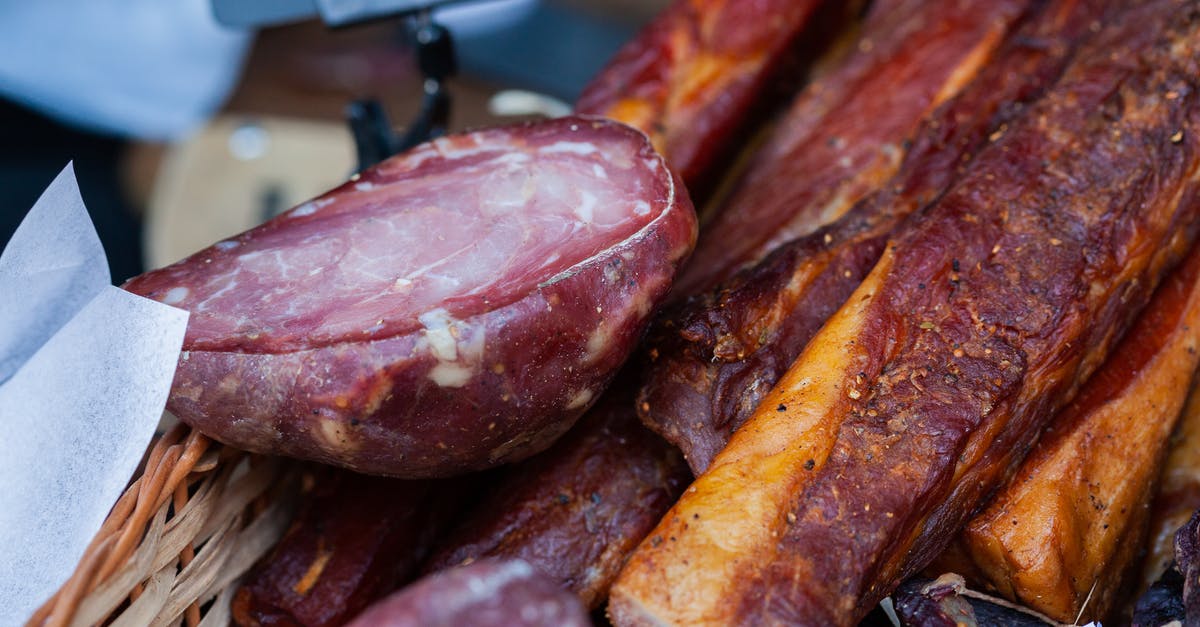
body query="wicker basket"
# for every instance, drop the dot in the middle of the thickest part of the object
(195, 518)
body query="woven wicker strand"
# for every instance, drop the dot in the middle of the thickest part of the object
(181, 535)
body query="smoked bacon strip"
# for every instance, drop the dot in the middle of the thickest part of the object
(694, 73)
(983, 318)
(717, 356)
(1063, 536)
(846, 133)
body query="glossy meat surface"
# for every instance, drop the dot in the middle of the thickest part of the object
(457, 307)
(692, 74)
(841, 139)
(982, 319)
(716, 357)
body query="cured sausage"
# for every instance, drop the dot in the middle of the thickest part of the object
(841, 139)
(353, 541)
(456, 307)
(694, 73)
(986, 313)
(576, 511)
(489, 593)
(714, 358)
(1063, 536)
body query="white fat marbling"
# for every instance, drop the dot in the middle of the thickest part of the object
(309, 208)
(580, 399)
(575, 148)
(439, 334)
(587, 207)
(451, 375)
(485, 230)
(175, 295)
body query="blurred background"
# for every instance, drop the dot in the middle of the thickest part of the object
(185, 128)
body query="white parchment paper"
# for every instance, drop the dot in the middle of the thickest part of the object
(85, 369)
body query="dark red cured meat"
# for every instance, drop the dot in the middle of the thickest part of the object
(1064, 534)
(1087, 215)
(455, 308)
(354, 540)
(576, 511)
(983, 318)
(489, 593)
(847, 132)
(693, 74)
(717, 356)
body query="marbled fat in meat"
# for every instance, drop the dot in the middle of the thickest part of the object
(454, 308)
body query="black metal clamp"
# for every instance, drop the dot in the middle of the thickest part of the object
(374, 136)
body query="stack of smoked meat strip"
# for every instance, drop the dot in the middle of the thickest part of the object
(941, 240)
(988, 310)
(717, 357)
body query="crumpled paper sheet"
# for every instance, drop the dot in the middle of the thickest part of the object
(85, 369)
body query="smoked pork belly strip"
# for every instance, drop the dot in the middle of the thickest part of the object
(693, 74)
(1067, 530)
(715, 357)
(846, 133)
(922, 393)
(576, 511)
